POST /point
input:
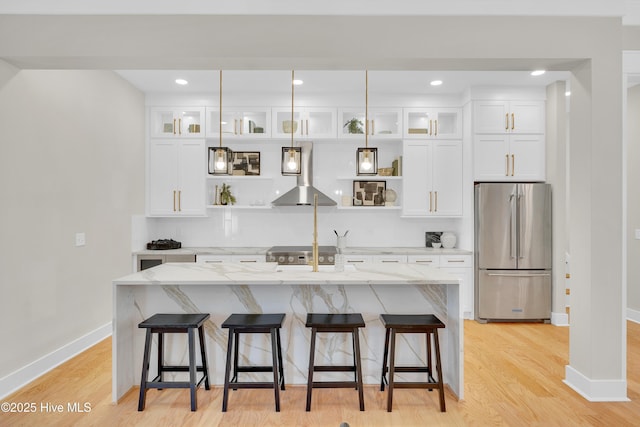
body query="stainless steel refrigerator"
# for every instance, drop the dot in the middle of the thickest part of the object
(512, 252)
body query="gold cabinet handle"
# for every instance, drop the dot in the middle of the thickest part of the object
(235, 127)
(430, 125)
(301, 128)
(241, 125)
(506, 121)
(436, 127)
(513, 164)
(513, 121)
(179, 126)
(373, 127)
(430, 201)
(506, 165)
(174, 200)
(307, 126)
(436, 209)
(174, 126)
(179, 200)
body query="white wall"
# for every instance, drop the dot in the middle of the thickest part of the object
(72, 156)
(633, 201)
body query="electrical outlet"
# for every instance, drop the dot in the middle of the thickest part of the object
(81, 239)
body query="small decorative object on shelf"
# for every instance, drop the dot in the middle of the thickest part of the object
(225, 195)
(354, 126)
(369, 193)
(390, 197)
(448, 240)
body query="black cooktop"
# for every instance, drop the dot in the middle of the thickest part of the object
(163, 244)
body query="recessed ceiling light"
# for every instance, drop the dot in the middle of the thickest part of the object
(436, 83)
(297, 82)
(537, 73)
(182, 82)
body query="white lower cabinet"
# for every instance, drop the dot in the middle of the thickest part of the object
(357, 259)
(218, 259)
(389, 259)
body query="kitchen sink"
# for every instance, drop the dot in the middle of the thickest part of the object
(321, 268)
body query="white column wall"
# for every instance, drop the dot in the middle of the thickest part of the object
(71, 160)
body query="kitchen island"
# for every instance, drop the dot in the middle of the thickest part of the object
(222, 289)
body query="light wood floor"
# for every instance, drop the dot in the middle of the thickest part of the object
(513, 377)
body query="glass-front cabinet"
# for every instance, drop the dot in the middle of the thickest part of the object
(186, 122)
(309, 122)
(440, 123)
(254, 122)
(383, 122)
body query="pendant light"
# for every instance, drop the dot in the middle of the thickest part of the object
(219, 158)
(290, 164)
(366, 158)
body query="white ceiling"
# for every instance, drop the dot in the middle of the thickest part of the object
(279, 81)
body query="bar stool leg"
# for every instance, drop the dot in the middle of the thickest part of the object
(225, 394)
(384, 359)
(311, 364)
(274, 358)
(235, 356)
(392, 369)
(145, 371)
(354, 332)
(280, 365)
(443, 408)
(203, 355)
(358, 368)
(192, 368)
(160, 356)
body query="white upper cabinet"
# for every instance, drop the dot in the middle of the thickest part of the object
(176, 180)
(383, 123)
(249, 123)
(509, 158)
(309, 122)
(508, 117)
(432, 178)
(433, 123)
(171, 122)
(509, 143)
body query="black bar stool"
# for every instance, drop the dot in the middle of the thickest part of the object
(254, 324)
(174, 323)
(342, 323)
(411, 324)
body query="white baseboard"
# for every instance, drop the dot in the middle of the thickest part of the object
(33, 370)
(633, 315)
(596, 390)
(559, 319)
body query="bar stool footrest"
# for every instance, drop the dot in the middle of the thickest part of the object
(238, 385)
(334, 384)
(334, 368)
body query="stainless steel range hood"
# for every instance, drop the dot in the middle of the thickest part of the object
(302, 193)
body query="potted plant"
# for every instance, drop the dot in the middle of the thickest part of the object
(225, 195)
(354, 126)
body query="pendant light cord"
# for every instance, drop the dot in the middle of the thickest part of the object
(220, 125)
(292, 86)
(366, 108)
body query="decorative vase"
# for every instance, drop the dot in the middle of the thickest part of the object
(390, 197)
(448, 240)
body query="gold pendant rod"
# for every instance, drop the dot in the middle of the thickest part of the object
(366, 108)
(220, 125)
(292, 85)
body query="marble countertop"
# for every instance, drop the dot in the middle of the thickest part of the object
(348, 251)
(267, 274)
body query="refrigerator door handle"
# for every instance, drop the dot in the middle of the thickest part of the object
(513, 227)
(519, 275)
(519, 232)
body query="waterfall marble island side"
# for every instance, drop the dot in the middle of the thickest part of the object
(226, 288)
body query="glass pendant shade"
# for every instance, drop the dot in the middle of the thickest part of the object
(291, 160)
(219, 160)
(367, 161)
